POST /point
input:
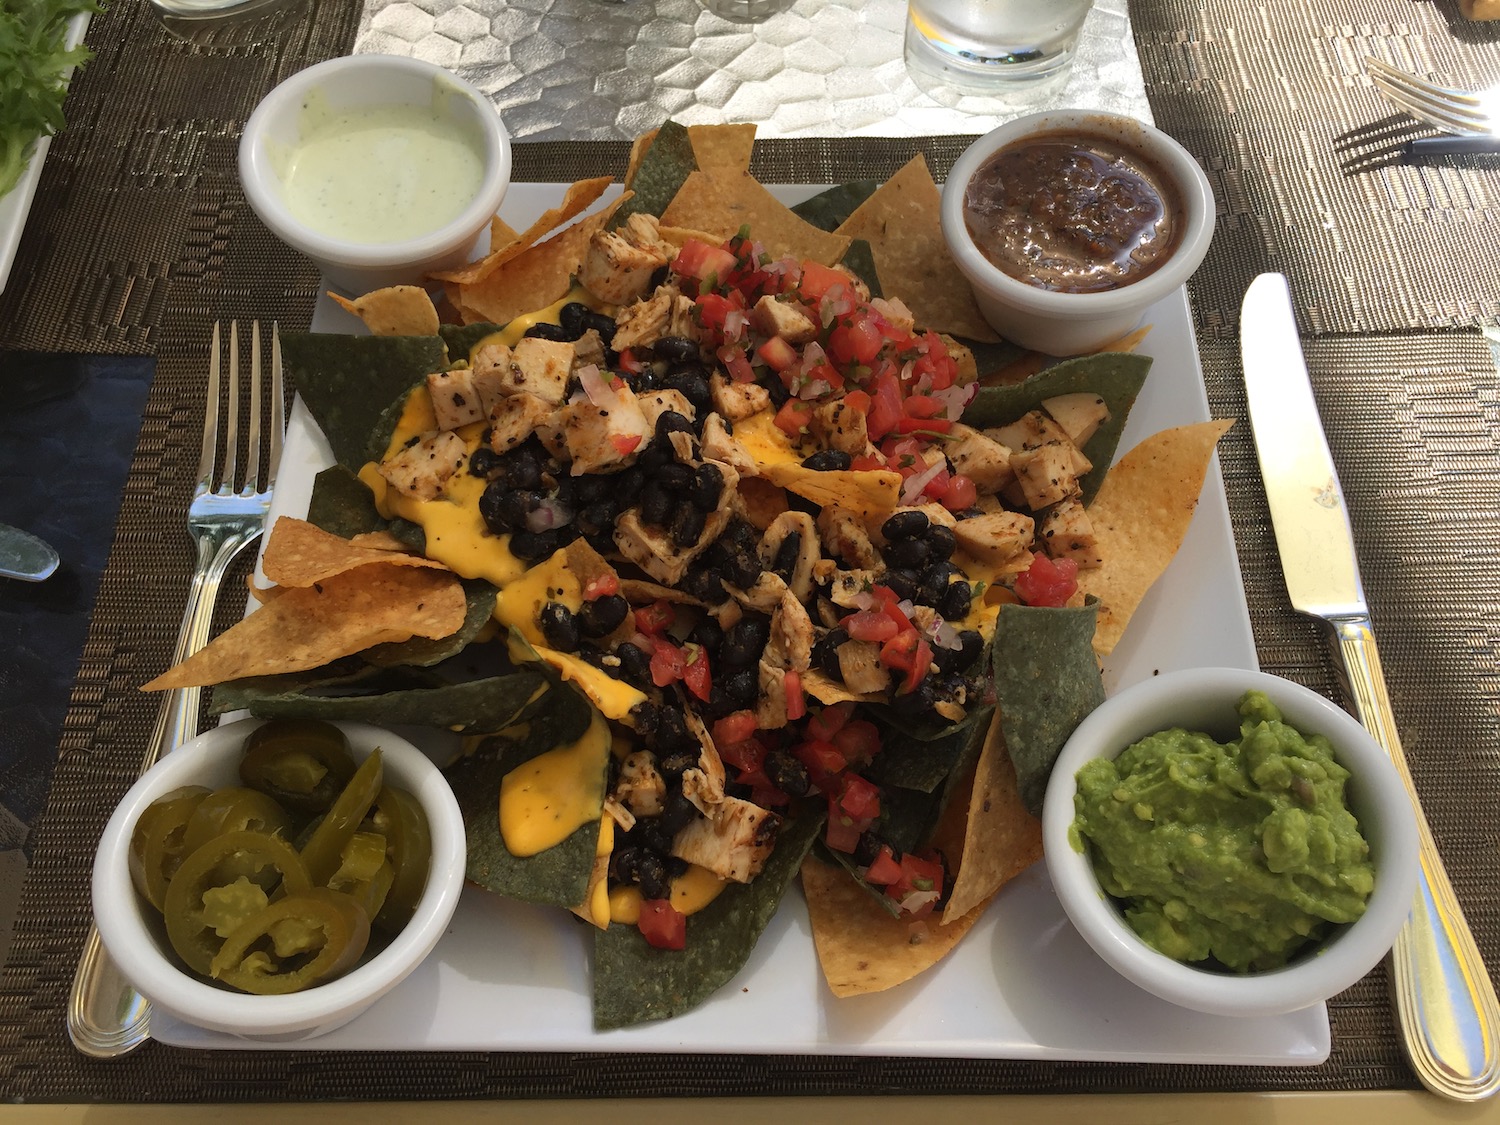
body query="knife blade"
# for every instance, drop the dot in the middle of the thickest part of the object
(1446, 1004)
(24, 556)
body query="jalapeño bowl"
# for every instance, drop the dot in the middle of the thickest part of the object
(389, 137)
(1205, 699)
(135, 937)
(1058, 321)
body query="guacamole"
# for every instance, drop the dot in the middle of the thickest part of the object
(1236, 853)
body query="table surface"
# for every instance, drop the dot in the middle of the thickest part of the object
(140, 237)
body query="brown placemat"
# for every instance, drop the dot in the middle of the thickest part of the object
(142, 237)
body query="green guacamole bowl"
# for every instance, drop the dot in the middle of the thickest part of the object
(1208, 872)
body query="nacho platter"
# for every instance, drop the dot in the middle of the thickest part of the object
(513, 977)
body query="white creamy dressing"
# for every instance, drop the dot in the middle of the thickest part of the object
(380, 173)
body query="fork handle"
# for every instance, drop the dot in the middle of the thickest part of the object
(1445, 1002)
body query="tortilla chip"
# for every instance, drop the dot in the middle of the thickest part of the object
(862, 947)
(299, 554)
(638, 149)
(680, 236)
(398, 310)
(864, 492)
(722, 204)
(1000, 838)
(308, 627)
(900, 222)
(1140, 516)
(722, 149)
(534, 278)
(578, 199)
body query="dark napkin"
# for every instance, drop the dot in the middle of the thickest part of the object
(67, 435)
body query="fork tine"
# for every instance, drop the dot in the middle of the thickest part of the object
(1448, 120)
(210, 419)
(278, 408)
(252, 441)
(1434, 100)
(232, 430)
(1454, 111)
(1422, 88)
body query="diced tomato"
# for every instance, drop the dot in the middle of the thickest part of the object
(924, 406)
(701, 261)
(601, 586)
(961, 494)
(885, 407)
(714, 310)
(630, 362)
(829, 721)
(858, 401)
(735, 727)
(655, 618)
(866, 462)
(1048, 582)
(870, 625)
(625, 444)
(858, 741)
(662, 924)
(818, 279)
(918, 874)
(778, 354)
(793, 417)
(747, 755)
(840, 835)
(823, 761)
(859, 799)
(857, 340)
(736, 364)
(885, 869)
(696, 675)
(796, 701)
(910, 653)
(667, 663)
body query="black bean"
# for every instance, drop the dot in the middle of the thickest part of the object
(671, 764)
(828, 460)
(597, 519)
(492, 508)
(484, 462)
(705, 585)
(692, 383)
(676, 349)
(544, 331)
(643, 381)
(523, 466)
(653, 457)
(935, 580)
(653, 873)
(867, 848)
(635, 666)
(672, 732)
(742, 686)
(907, 554)
(740, 533)
(779, 391)
(656, 505)
(674, 477)
(709, 634)
(669, 422)
(786, 554)
(786, 773)
(707, 487)
(652, 835)
(744, 641)
(955, 602)
(743, 567)
(571, 317)
(678, 812)
(559, 627)
(971, 644)
(590, 488)
(917, 702)
(905, 525)
(533, 546)
(600, 323)
(903, 583)
(825, 654)
(941, 542)
(687, 526)
(603, 615)
(625, 487)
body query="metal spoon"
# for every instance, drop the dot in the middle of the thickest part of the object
(24, 556)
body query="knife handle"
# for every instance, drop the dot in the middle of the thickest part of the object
(1445, 1002)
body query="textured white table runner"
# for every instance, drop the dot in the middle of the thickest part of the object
(611, 69)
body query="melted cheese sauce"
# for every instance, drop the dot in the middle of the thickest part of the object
(869, 492)
(547, 799)
(691, 892)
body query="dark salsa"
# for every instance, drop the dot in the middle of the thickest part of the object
(1073, 212)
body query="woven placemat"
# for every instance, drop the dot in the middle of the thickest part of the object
(141, 238)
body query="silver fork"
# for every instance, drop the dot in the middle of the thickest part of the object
(1461, 112)
(106, 1016)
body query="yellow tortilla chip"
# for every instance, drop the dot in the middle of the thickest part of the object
(901, 223)
(720, 149)
(534, 278)
(865, 492)
(300, 554)
(307, 627)
(578, 199)
(827, 690)
(399, 310)
(1140, 515)
(861, 947)
(1000, 839)
(721, 204)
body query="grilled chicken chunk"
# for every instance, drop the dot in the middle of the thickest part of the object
(515, 418)
(422, 469)
(997, 538)
(641, 787)
(455, 401)
(734, 843)
(533, 366)
(1067, 533)
(738, 401)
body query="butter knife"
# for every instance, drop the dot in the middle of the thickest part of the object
(1445, 1002)
(24, 556)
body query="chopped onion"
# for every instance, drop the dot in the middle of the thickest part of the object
(918, 899)
(815, 388)
(955, 399)
(550, 513)
(736, 324)
(592, 380)
(912, 487)
(944, 635)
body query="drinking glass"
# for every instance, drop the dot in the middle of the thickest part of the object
(993, 44)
